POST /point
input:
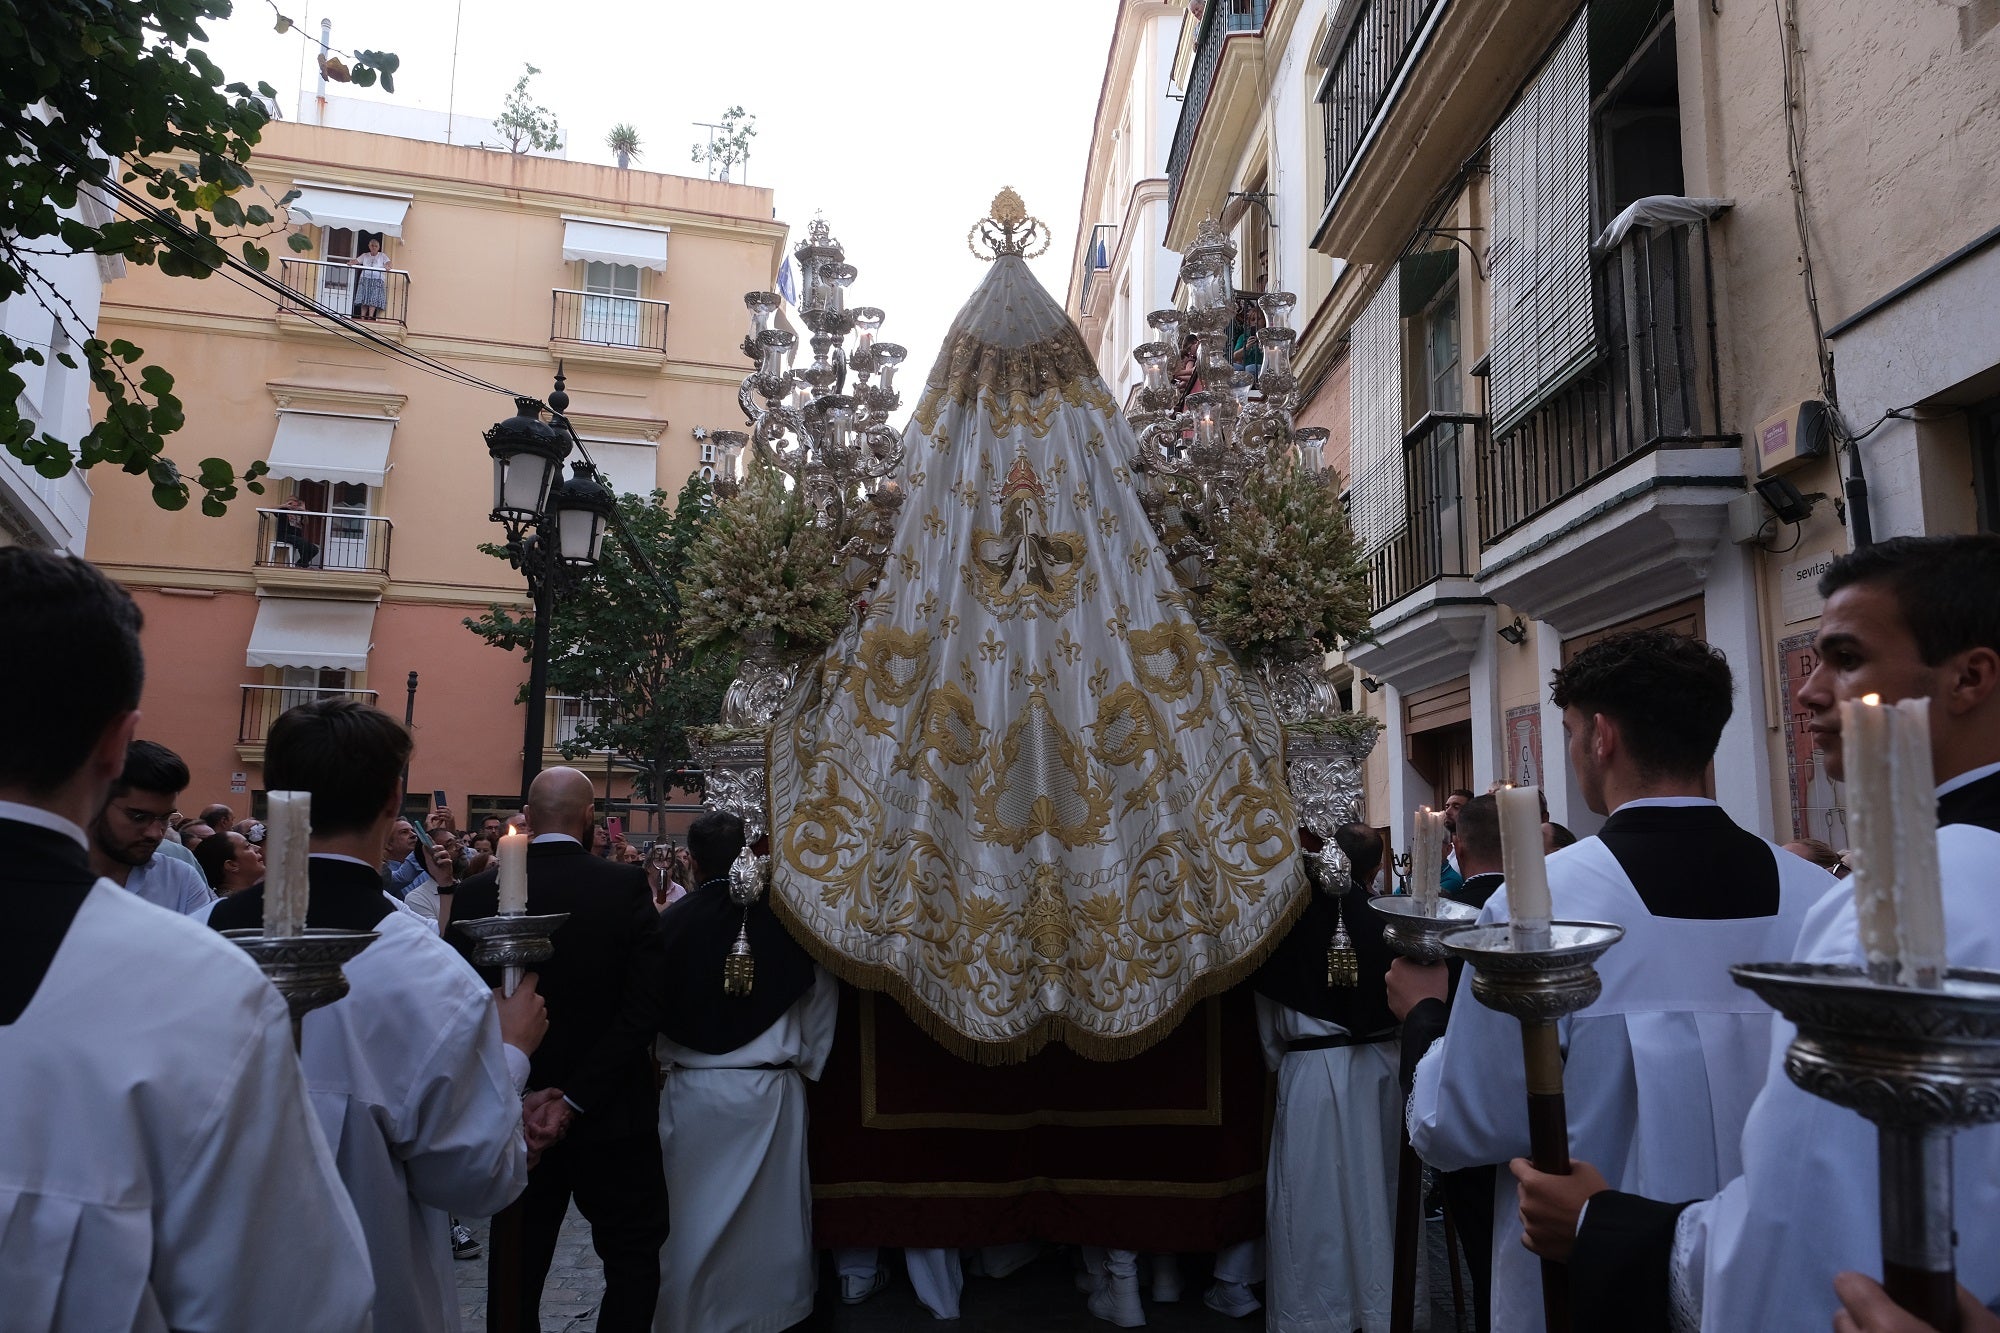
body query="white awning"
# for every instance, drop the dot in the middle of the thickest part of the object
(310, 446)
(604, 242)
(628, 468)
(324, 206)
(303, 632)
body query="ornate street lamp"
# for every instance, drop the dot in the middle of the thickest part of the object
(555, 531)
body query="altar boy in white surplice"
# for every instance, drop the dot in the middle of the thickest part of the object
(738, 1257)
(159, 1167)
(418, 1096)
(1659, 1072)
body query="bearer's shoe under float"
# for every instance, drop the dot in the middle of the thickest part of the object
(858, 1287)
(1117, 1301)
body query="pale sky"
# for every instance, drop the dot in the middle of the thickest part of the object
(899, 119)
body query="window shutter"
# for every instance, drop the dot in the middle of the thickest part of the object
(1375, 391)
(1544, 324)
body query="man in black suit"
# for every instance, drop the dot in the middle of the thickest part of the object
(610, 1159)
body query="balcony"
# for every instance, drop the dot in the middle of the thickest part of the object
(1378, 45)
(1653, 385)
(263, 703)
(336, 551)
(1227, 69)
(614, 330)
(334, 286)
(567, 717)
(1097, 259)
(1434, 542)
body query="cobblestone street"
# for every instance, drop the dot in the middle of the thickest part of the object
(1038, 1299)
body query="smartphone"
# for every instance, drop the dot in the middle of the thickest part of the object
(423, 835)
(438, 802)
(615, 826)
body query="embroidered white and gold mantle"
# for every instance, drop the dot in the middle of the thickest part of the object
(1024, 794)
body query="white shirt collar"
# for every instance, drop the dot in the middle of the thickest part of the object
(40, 818)
(1665, 802)
(552, 837)
(1965, 779)
(343, 856)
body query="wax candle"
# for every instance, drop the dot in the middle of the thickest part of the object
(1919, 891)
(513, 874)
(1426, 859)
(287, 845)
(1867, 755)
(1528, 908)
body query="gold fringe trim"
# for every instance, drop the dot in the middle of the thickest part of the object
(1090, 1045)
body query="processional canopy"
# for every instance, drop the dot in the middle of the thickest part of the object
(1024, 792)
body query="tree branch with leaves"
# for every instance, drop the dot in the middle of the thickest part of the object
(525, 123)
(120, 115)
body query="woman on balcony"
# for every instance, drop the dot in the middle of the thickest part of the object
(371, 294)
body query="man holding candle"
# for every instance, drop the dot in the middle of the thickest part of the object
(159, 1165)
(1661, 1069)
(1906, 619)
(609, 1162)
(416, 1074)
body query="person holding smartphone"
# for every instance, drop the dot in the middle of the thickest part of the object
(660, 867)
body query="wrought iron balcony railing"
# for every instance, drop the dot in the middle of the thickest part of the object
(339, 287)
(1435, 541)
(332, 540)
(1378, 44)
(1652, 385)
(609, 321)
(1222, 19)
(569, 715)
(263, 703)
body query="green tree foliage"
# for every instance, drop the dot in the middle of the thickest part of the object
(731, 144)
(619, 639)
(104, 94)
(525, 123)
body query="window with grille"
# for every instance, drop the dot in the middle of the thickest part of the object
(1544, 324)
(1375, 395)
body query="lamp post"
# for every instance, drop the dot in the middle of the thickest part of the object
(555, 531)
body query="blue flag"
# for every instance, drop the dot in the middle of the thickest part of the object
(786, 287)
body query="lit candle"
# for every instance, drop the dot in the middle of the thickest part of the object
(287, 845)
(1529, 910)
(1919, 890)
(514, 874)
(1868, 757)
(1426, 860)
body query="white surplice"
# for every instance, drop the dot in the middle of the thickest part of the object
(1659, 1073)
(1762, 1255)
(422, 1109)
(739, 1256)
(1330, 1190)
(158, 1164)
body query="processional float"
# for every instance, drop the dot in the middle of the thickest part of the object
(1043, 779)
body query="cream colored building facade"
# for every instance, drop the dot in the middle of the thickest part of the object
(499, 266)
(1555, 409)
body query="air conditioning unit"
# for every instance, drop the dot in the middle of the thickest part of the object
(1796, 435)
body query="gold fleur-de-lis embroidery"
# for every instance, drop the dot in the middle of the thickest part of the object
(991, 649)
(1107, 523)
(1059, 469)
(928, 606)
(1123, 477)
(913, 568)
(968, 675)
(946, 626)
(1090, 583)
(1068, 648)
(1100, 680)
(1095, 444)
(967, 493)
(934, 524)
(1137, 557)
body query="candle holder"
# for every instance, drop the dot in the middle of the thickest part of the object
(511, 942)
(1539, 986)
(1418, 936)
(1919, 1064)
(306, 968)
